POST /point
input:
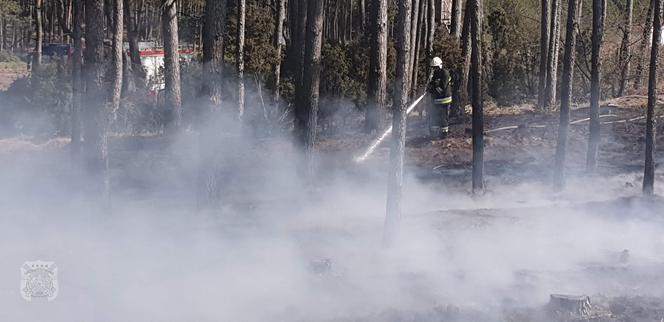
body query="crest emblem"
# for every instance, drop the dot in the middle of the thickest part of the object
(39, 279)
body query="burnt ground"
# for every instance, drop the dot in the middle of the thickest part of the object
(523, 155)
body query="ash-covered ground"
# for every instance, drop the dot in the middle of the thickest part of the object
(281, 248)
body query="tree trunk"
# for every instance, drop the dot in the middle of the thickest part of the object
(77, 85)
(213, 43)
(377, 87)
(401, 90)
(599, 12)
(431, 34)
(299, 42)
(306, 109)
(647, 29)
(649, 173)
(413, 40)
(278, 43)
(241, 14)
(95, 115)
(37, 57)
(544, 54)
(132, 38)
(477, 97)
(552, 58)
(455, 23)
(625, 52)
(118, 44)
(566, 94)
(419, 24)
(173, 98)
(460, 77)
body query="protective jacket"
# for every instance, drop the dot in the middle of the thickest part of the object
(440, 86)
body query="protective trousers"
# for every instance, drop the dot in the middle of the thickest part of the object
(439, 119)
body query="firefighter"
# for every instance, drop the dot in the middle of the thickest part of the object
(441, 98)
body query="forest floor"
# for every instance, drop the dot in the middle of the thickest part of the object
(493, 258)
(9, 72)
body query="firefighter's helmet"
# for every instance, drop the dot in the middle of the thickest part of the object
(436, 62)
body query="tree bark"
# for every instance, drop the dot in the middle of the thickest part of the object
(651, 129)
(213, 43)
(173, 98)
(599, 12)
(132, 38)
(413, 40)
(566, 94)
(552, 58)
(117, 58)
(544, 54)
(401, 91)
(278, 43)
(241, 14)
(647, 29)
(477, 96)
(460, 77)
(39, 36)
(377, 87)
(431, 34)
(455, 23)
(77, 85)
(625, 52)
(306, 113)
(95, 115)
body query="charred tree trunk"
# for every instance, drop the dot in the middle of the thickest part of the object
(477, 96)
(95, 116)
(77, 84)
(241, 14)
(455, 23)
(544, 54)
(278, 44)
(116, 70)
(647, 29)
(625, 52)
(299, 42)
(552, 58)
(649, 172)
(213, 43)
(599, 12)
(173, 98)
(377, 87)
(401, 90)
(566, 93)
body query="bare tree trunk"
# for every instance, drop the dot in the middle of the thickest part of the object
(278, 43)
(213, 43)
(544, 54)
(413, 40)
(37, 57)
(477, 97)
(132, 38)
(95, 115)
(455, 23)
(419, 25)
(552, 59)
(173, 98)
(401, 91)
(625, 51)
(460, 80)
(77, 85)
(599, 12)
(116, 74)
(651, 129)
(566, 94)
(431, 34)
(299, 42)
(241, 14)
(377, 87)
(306, 113)
(647, 30)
